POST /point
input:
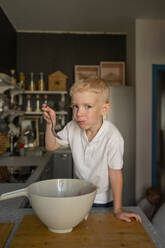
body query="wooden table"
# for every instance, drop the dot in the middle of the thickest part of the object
(99, 231)
(115, 231)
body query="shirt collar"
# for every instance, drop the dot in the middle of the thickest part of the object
(97, 136)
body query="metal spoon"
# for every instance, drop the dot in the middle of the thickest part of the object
(53, 128)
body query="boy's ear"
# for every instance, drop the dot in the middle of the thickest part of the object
(106, 108)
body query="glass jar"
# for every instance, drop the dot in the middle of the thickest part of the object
(41, 83)
(32, 86)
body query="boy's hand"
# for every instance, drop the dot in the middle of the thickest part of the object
(47, 112)
(123, 215)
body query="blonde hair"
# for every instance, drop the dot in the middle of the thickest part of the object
(97, 86)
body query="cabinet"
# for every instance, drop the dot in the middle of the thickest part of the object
(59, 166)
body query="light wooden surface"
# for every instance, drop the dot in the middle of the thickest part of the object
(5, 229)
(99, 231)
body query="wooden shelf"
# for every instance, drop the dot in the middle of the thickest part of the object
(40, 113)
(45, 92)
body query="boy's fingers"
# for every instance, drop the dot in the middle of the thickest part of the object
(135, 216)
(127, 216)
(139, 219)
(126, 219)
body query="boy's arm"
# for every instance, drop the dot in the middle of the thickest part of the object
(116, 180)
(50, 140)
(51, 143)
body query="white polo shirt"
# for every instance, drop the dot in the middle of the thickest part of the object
(93, 159)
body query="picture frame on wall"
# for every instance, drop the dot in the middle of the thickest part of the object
(86, 71)
(113, 72)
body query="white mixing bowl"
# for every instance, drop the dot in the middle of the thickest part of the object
(60, 204)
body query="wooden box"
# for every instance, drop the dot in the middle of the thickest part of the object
(57, 81)
(86, 71)
(113, 72)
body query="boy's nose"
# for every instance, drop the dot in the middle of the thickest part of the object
(80, 111)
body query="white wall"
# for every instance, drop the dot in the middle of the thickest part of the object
(150, 49)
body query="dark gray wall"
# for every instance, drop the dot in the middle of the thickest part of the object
(50, 52)
(7, 44)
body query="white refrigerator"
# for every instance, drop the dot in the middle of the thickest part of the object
(122, 114)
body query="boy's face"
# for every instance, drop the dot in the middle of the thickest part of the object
(88, 109)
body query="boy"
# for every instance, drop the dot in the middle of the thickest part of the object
(96, 144)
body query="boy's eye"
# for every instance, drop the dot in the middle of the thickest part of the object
(74, 106)
(88, 106)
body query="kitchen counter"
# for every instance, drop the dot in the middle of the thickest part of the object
(16, 216)
(39, 161)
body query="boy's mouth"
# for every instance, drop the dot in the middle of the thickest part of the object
(81, 122)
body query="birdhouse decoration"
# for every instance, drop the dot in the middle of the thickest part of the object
(57, 81)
